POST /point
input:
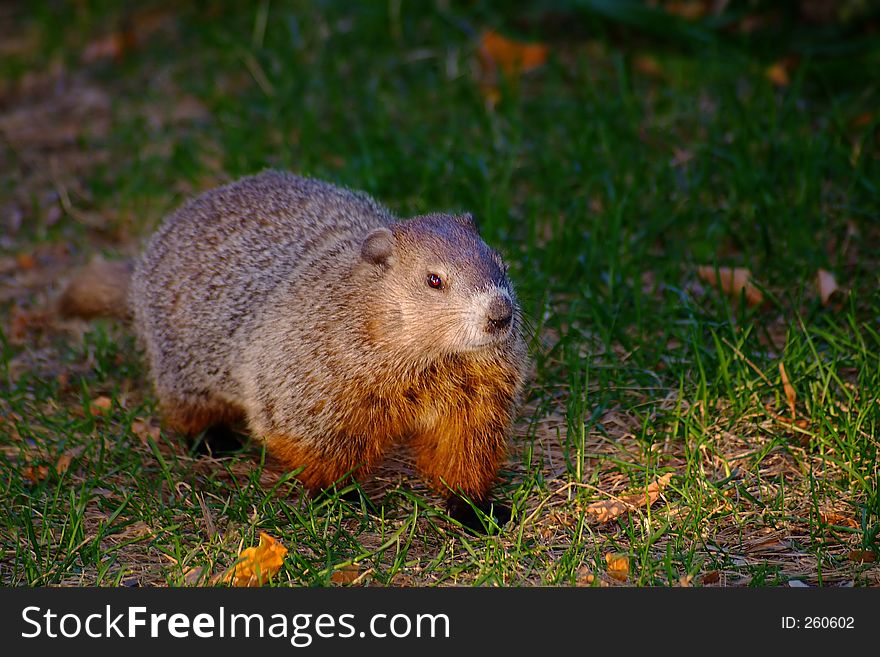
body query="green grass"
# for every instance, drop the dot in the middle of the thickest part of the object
(604, 186)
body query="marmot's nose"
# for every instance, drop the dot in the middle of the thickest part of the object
(500, 313)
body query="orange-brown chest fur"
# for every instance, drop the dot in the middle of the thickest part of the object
(461, 389)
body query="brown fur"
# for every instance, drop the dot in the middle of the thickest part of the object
(464, 443)
(455, 416)
(194, 419)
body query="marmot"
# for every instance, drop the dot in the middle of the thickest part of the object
(331, 327)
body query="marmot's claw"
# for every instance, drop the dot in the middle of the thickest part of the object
(501, 513)
(351, 496)
(219, 439)
(479, 517)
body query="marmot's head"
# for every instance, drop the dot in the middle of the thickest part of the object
(442, 290)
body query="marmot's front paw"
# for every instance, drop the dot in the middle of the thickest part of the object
(219, 440)
(478, 517)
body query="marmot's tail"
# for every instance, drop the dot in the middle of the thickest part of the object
(98, 290)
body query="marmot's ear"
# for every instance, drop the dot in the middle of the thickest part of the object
(466, 220)
(378, 246)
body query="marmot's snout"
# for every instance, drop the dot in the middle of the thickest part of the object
(499, 314)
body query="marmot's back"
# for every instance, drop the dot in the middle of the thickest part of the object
(211, 266)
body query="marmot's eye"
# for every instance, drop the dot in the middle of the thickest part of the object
(434, 281)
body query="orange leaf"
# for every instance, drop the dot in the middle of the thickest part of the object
(36, 473)
(733, 282)
(257, 564)
(648, 66)
(832, 518)
(585, 576)
(790, 394)
(63, 463)
(345, 575)
(862, 556)
(801, 423)
(778, 74)
(712, 577)
(606, 510)
(144, 431)
(618, 566)
(22, 322)
(100, 405)
(25, 261)
(827, 286)
(513, 57)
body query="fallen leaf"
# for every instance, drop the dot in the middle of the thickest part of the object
(648, 65)
(23, 322)
(561, 519)
(404, 581)
(196, 576)
(345, 575)
(144, 430)
(685, 581)
(100, 405)
(36, 473)
(862, 556)
(25, 261)
(688, 9)
(827, 286)
(606, 510)
(833, 518)
(733, 282)
(585, 576)
(134, 29)
(513, 57)
(712, 577)
(110, 46)
(800, 423)
(618, 566)
(778, 74)
(136, 530)
(790, 394)
(63, 463)
(257, 564)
